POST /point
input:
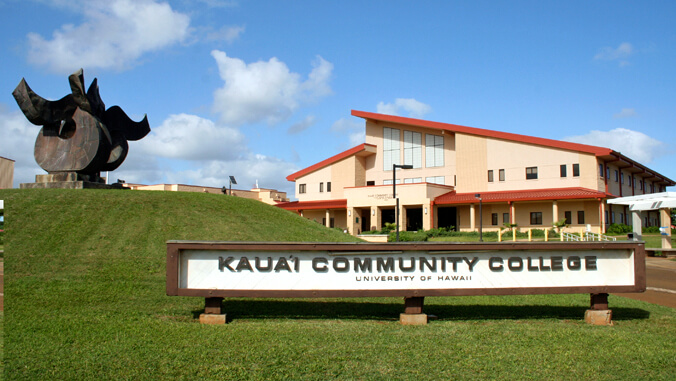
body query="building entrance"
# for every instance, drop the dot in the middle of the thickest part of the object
(365, 220)
(448, 218)
(387, 215)
(414, 219)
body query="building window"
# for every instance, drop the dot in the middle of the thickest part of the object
(490, 175)
(622, 177)
(370, 183)
(390, 148)
(321, 187)
(536, 218)
(435, 180)
(502, 174)
(600, 170)
(434, 150)
(531, 173)
(607, 172)
(617, 176)
(301, 188)
(576, 170)
(568, 215)
(413, 180)
(413, 149)
(563, 170)
(494, 219)
(328, 186)
(505, 218)
(580, 217)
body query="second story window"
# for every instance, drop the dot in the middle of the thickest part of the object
(413, 149)
(564, 171)
(501, 174)
(390, 148)
(490, 175)
(576, 170)
(301, 188)
(531, 173)
(434, 150)
(321, 187)
(328, 186)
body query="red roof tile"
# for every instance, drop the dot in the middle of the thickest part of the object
(523, 195)
(331, 160)
(599, 151)
(309, 205)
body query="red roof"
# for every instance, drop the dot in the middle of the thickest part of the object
(520, 195)
(599, 151)
(331, 160)
(309, 205)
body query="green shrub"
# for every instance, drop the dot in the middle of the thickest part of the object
(619, 229)
(651, 229)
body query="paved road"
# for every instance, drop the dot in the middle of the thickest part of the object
(661, 283)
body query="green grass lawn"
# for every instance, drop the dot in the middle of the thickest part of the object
(85, 299)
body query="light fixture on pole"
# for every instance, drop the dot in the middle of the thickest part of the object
(481, 218)
(232, 181)
(394, 189)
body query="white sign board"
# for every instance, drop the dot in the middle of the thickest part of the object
(438, 269)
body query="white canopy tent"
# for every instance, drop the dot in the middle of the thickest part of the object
(663, 202)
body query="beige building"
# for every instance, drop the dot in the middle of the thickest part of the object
(528, 181)
(268, 196)
(6, 173)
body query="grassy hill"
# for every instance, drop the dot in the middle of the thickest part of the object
(85, 299)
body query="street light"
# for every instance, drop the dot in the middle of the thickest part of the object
(232, 181)
(481, 218)
(394, 188)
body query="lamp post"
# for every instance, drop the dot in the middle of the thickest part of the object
(232, 181)
(481, 218)
(394, 189)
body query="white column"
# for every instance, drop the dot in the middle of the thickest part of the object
(472, 222)
(665, 220)
(328, 218)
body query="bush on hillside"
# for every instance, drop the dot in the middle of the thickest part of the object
(618, 229)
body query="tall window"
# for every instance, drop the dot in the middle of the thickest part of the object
(564, 170)
(390, 148)
(576, 170)
(536, 218)
(617, 176)
(531, 173)
(328, 186)
(580, 217)
(569, 217)
(505, 218)
(301, 188)
(501, 173)
(434, 150)
(600, 170)
(413, 149)
(494, 218)
(321, 187)
(490, 175)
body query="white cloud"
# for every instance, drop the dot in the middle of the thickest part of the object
(17, 142)
(621, 53)
(227, 33)
(636, 145)
(189, 137)
(270, 172)
(414, 108)
(113, 35)
(352, 128)
(625, 113)
(303, 125)
(265, 91)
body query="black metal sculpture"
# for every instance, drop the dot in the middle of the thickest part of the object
(78, 134)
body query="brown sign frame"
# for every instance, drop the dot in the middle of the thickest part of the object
(174, 249)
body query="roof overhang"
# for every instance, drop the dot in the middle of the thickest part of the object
(360, 150)
(314, 205)
(452, 198)
(654, 201)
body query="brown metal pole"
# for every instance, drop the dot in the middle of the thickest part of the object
(213, 305)
(598, 301)
(414, 305)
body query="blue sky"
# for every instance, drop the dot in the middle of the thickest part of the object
(261, 89)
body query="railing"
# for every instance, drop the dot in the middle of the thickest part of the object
(586, 236)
